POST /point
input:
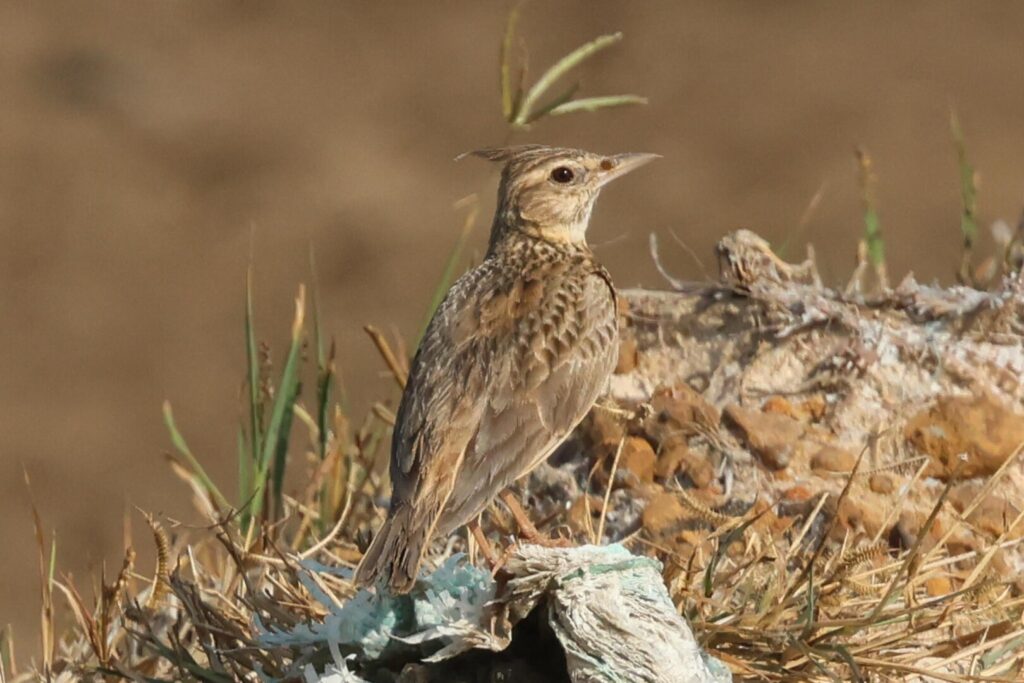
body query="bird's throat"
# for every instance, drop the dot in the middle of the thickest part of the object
(573, 236)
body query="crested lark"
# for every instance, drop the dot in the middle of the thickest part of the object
(513, 359)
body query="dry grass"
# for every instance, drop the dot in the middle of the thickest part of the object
(768, 600)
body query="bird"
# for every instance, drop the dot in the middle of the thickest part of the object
(512, 360)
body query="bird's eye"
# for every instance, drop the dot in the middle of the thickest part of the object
(562, 174)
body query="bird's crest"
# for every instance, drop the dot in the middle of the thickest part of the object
(511, 153)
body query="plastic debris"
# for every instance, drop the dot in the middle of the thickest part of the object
(608, 608)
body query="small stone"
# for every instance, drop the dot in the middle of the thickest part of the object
(1001, 566)
(694, 538)
(797, 494)
(813, 408)
(938, 586)
(994, 516)
(779, 525)
(699, 469)
(809, 410)
(675, 410)
(833, 459)
(638, 458)
(769, 436)
(672, 457)
(909, 526)
(604, 427)
(628, 355)
(862, 513)
(980, 427)
(577, 515)
(882, 482)
(777, 405)
(664, 515)
(963, 542)
(965, 493)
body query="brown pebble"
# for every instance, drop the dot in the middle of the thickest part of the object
(604, 427)
(993, 517)
(882, 482)
(576, 517)
(771, 437)
(981, 427)
(699, 469)
(862, 513)
(663, 515)
(938, 586)
(671, 457)
(777, 405)
(797, 494)
(909, 526)
(813, 408)
(675, 410)
(638, 458)
(833, 459)
(695, 539)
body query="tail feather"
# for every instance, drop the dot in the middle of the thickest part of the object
(396, 552)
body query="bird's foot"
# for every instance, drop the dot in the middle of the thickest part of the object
(484, 545)
(527, 531)
(498, 568)
(549, 541)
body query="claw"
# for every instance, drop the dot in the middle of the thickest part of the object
(527, 531)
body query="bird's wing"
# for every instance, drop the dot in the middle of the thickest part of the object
(441, 405)
(542, 382)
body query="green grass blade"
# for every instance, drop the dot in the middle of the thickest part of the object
(288, 399)
(872, 223)
(727, 540)
(314, 292)
(135, 676)
(324, 364)
(810, 609)
(253, 368)
(245, 478)
(592, 104)
(562, 99)
(873, 236)
(559, 69)
(847, 658)
(6, 651)
(179, 443)
(182, 659)
(323, 402)
(508, 98)
(968, 196)
(275, 439)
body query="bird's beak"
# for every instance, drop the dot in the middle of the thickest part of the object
(619, 165)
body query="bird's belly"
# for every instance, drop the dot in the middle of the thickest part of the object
(490, 479)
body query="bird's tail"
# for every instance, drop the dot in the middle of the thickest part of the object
(396, 551)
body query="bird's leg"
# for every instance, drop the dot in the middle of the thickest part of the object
(494, 562)
(485, 546)
(527, 530)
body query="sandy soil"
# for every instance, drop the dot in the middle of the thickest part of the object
(145, 146)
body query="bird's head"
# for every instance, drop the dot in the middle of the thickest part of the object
(549, 192)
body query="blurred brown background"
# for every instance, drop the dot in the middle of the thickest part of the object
(143, 143)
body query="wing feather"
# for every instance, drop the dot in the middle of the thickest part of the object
(535, 403)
